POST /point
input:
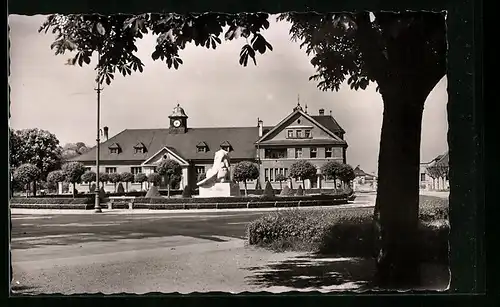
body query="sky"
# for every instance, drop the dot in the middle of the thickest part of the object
(211, 86)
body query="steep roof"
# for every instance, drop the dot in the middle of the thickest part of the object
(241, 139)
(328, 122)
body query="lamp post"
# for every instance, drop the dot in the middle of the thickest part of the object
(97, 206)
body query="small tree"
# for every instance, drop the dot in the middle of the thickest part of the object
(103, 178)
(300, 191)
(302, 170)
(280, 178)
(115, 178)
(346, 174)
(154, 178)
(26, 174)
(140, 177)
(331, 170)
(89, 177)
(186, 193)
(244, 171)
(73, 172)
(127, 177)
(170, 170)
(55, 177)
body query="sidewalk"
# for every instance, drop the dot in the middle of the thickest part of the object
(440, 194)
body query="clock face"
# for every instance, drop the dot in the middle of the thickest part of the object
(177, 123)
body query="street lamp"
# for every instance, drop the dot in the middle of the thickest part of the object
(97, 206)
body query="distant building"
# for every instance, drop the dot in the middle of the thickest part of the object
(434, 174)
(316, 138)
(363, 181)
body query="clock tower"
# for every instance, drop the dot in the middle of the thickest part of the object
(178, 120)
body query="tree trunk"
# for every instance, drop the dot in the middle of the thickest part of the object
(281, 185)
(27, 189)
(74, 187)
(335, 184)
(245, 184)
(34, 188)
(397, 203)
(90, 186)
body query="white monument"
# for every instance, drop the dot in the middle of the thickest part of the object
(218, 180)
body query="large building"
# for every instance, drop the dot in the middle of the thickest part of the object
(316, 138)
(437, 178)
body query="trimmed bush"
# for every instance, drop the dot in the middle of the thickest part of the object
(285, 191)
(268, 191)
(345, 232)
(186, 193)
(153, 192)
(120, 189)
(300, 191)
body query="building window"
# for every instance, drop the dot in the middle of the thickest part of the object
(314, 153)
(290, 134)
(276, 172)
(298, 153)
(266, 174)
(286, 172)
(113, 150)
(271, 175)
(154, 169)
(307, 134)
(299, 134)
(275, 153)
(200, 169)
(328, 152)
(202, 149)
(136, 170)
(337, 152)
(422, 177)
(139, 150)
(110, 170)
(88, 169)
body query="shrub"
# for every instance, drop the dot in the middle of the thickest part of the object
(344, 232)
(286, 191)
(103, 178)
(268, 191)
(300, 191)
(280, 178)
(120, 189)
(153, 192)
(186, 193)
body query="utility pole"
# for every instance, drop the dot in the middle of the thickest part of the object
(97, 206)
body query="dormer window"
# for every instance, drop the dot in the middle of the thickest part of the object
(202, 147)
(139, 148)
(114, 148)
(226, 146)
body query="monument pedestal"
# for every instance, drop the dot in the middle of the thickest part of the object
(220, 189)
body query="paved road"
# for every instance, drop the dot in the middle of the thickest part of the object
(164, 252)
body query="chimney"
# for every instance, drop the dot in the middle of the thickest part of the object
(321, 111)
(330, 112)
(260, 125)
(106, 130)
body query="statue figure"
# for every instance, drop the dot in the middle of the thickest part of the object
(219, 172)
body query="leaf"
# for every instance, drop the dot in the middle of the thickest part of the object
(176, 64)
(180, 61)
(169, 62)
(100, 29)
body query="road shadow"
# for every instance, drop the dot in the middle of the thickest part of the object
(315, 273)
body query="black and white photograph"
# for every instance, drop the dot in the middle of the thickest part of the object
(220, 152)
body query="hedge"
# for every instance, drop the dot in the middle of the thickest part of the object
(143, 200)
(346, 232)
